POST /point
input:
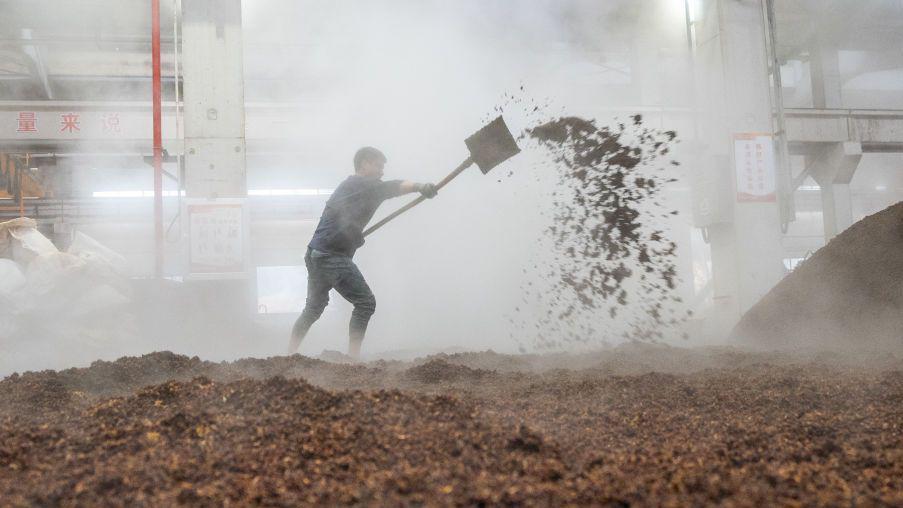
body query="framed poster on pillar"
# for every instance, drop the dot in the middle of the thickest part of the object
(754, 162)
(217, 238)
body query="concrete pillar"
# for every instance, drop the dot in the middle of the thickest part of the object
(833, 170)
(214, 112)
(843, 206)
(215, 174)
(828, 211)
(827, 86)
(837, 210)
(745, 237)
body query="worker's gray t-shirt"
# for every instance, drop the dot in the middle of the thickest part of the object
(348, 211)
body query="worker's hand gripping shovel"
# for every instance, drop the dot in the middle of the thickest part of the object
(489, 147)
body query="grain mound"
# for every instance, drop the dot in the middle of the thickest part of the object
(273, 442)
(848, 294)
(747, 433)
(441, 371)
(32, 393)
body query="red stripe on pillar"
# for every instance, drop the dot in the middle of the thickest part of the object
(158, 138)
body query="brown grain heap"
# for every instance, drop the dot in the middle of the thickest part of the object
(719, 427)
(848, 294)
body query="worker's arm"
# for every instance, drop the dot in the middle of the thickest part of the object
(427, 189)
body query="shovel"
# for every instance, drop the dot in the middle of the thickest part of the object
(489, 147)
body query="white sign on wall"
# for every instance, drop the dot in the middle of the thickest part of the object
(755, 166)
(217, 238)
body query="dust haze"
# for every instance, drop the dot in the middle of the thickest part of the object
(174, 390)
(415, 79)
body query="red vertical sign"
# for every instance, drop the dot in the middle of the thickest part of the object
(158, 138)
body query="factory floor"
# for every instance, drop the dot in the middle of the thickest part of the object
(634, 425)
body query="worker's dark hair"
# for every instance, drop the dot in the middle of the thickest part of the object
(367, 153)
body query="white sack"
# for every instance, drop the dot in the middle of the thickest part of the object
(11, 278)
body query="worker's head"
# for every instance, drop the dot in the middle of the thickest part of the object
(369, 161)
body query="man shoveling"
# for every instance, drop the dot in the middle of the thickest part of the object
(352, 205)
(338, 235)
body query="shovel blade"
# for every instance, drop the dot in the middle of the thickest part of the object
(492, 145)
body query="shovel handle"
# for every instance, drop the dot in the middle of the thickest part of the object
(451, 176)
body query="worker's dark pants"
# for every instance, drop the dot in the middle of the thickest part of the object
(330, 271)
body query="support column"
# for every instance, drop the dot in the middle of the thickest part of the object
(843, 206)
(829, 217)
(214, 213)
(214, 112)
(833, 170)
(827, 86)
(837, 210)
(745, 237)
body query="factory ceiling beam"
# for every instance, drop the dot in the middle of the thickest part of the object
(875, 130)
(37, 59)
(869, 25)
(96, 17)
(13, 62)
(73, 41)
